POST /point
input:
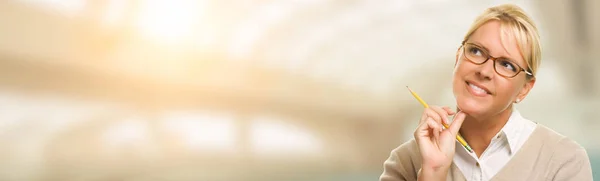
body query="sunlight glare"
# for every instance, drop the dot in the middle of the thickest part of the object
(168, 21)
(271, 137)
(202, 131)
(129, 131)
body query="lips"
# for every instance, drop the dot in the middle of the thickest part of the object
(477, 89)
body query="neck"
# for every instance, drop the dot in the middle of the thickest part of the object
(479, 131)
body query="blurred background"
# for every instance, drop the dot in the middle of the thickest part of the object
(249, 90)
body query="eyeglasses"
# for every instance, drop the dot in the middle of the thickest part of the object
(502, 66)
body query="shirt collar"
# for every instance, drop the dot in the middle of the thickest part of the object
(512, 129)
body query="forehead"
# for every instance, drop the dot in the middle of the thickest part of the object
(498, 40)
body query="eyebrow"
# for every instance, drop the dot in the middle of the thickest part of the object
(500, 57)
(487, 51)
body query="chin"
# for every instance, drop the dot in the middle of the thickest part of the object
(470, 106)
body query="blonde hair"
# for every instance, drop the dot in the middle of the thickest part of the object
(521, 26)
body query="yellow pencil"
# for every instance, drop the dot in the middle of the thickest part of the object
(458, 137)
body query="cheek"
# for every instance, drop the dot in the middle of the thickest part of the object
(461, 69)
(506, 90)
(456, 73)
(458, 67)
(457, 77)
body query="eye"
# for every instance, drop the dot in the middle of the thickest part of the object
(507, 65)
(474, 51)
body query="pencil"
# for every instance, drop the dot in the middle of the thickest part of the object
(460, 139)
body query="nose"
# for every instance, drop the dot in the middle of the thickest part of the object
(486, 71)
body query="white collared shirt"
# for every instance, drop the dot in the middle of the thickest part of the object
(501, 149)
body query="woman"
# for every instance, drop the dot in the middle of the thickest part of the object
(495, 68)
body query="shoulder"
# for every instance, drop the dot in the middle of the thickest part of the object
(408, 148)
(558, 142)
(403, 163)
(568, 158)
(408, 154)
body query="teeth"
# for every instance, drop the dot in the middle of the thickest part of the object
(477, 89)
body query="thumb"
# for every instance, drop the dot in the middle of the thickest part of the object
(457, 122)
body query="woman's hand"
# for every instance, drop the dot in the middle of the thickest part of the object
(437, 145)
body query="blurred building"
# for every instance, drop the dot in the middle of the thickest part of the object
(255, 90)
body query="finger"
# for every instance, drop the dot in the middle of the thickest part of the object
(426, 127)
(457, 122)
(448, 110)
(435, 128)
(422, 130)
(430, 112)
(423, 117)
(442, 113)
